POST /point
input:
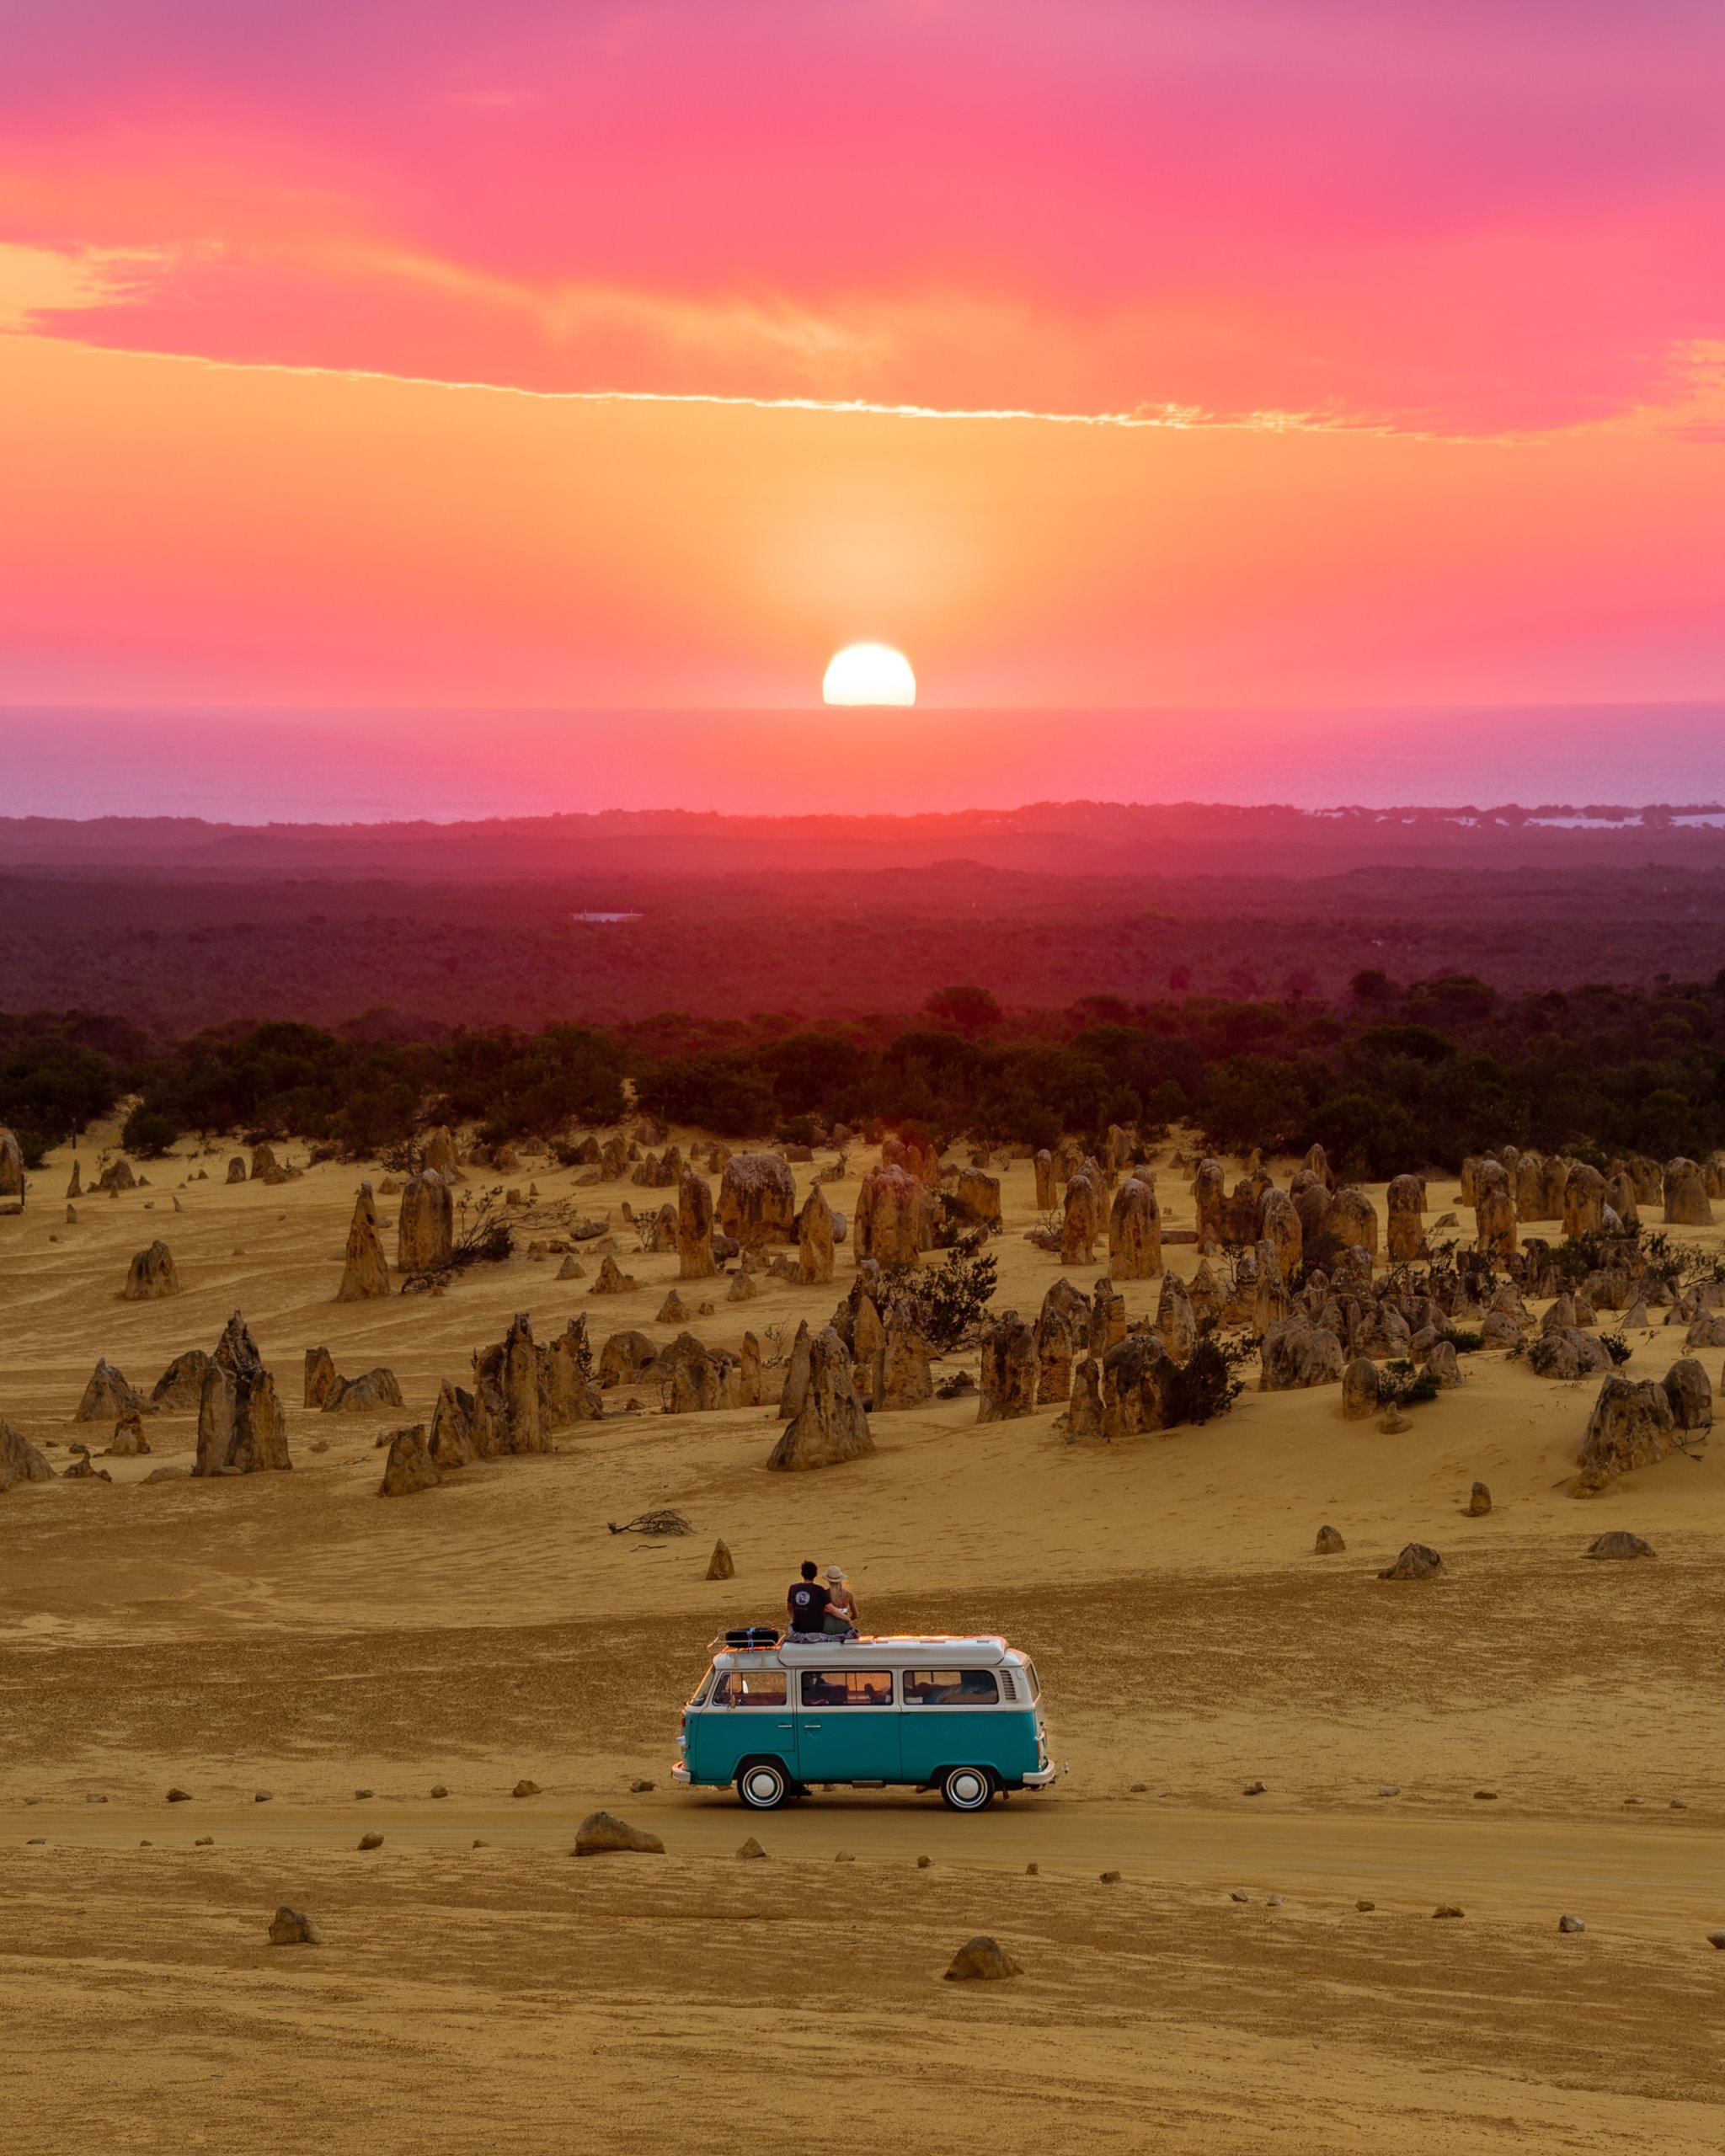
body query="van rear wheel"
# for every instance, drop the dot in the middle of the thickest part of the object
(967, 1788)
(762, 1785)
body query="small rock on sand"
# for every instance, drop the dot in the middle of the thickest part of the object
(1570, 1923)
(525, 1788)
(1717, 1939)
(263, 1796)
(1253, 1788)
(1365, 1907)
(1446, 1909)
(1239, 1894)
(1329, 1543)
(1389, 1788)
(179, 1796)
(844, 1856)
(371, 1841)
(923, 1863)
(983, 1958)
(1031, 1871)
(1485, 1796)
(639, 1788)
(1619, 1543)
(293, 1928)
(602, 1833)
(1109, 1878)
(751, 1848)
(205, 1842)
(1418, 1562)
(438, 1790)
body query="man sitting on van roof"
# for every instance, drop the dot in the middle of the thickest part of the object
(807, 1603)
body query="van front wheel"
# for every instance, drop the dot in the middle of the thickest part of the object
(762, 1785)
(967, 1788)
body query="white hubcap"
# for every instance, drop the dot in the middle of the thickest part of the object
(968, 1788)
(763, 1785)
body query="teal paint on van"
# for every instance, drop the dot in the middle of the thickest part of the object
(963, 1715)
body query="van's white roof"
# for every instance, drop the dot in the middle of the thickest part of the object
(952, 1651)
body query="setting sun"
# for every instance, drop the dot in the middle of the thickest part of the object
(868, 674)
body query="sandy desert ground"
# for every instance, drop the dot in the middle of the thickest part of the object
(478, 1989)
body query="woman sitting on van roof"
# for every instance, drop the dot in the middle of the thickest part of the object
(818, 1612)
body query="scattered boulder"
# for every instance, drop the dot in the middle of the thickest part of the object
(438, 1151)
(1631, 1426)
(1176, 1318)
(830, 1425)
(1619, 1543)
(1479, 1501)
(697, 1378)
(724, 1565)
(625, 1357)
(151, 1275)
(1080, 1219)
(293, 1928)
(1296, 1354)
(1404, 1204)
(815, 1240)
(1583, 1201)
(365, 1272)
(321, 1380)
(107, 1396)
(410, 1466)
(673, 1310)
(240, 1427)
(976, 1199)
(1329, 1543)
(1362, 1389)
(1691, 1393)
(612, 1280)
(602, 1833)
(1136, 1376)
(982, 1960)
(757, 1199)
(425, 1227)
(266, 1168)
(1134, 1230)
(370, 1394)
(1567, 1352)
(891, 1218)
(1444, 1364)
(1418, 1562)
(20, 1459)
(1009, 1370)
(12, 1167)
(1352, 1221)
(128, 1441)
(1685, 1189)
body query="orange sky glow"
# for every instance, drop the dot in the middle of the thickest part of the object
(1297, 355)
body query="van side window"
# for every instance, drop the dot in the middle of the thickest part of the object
(848, 1688)
(748, 1688)
(951, 1688)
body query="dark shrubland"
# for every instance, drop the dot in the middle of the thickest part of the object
(1390, 1078)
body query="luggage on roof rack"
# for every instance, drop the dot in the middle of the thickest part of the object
(754, 1636)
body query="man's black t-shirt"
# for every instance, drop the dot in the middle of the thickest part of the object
(807, 1602)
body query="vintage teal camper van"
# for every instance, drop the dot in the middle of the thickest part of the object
(776, 1721)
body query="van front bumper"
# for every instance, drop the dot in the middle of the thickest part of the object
(1043, 1776)
(680, 1775)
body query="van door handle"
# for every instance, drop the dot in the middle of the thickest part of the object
(785, 1725)
(807, 1724)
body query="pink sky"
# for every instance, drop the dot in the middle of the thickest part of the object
(315, 321)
